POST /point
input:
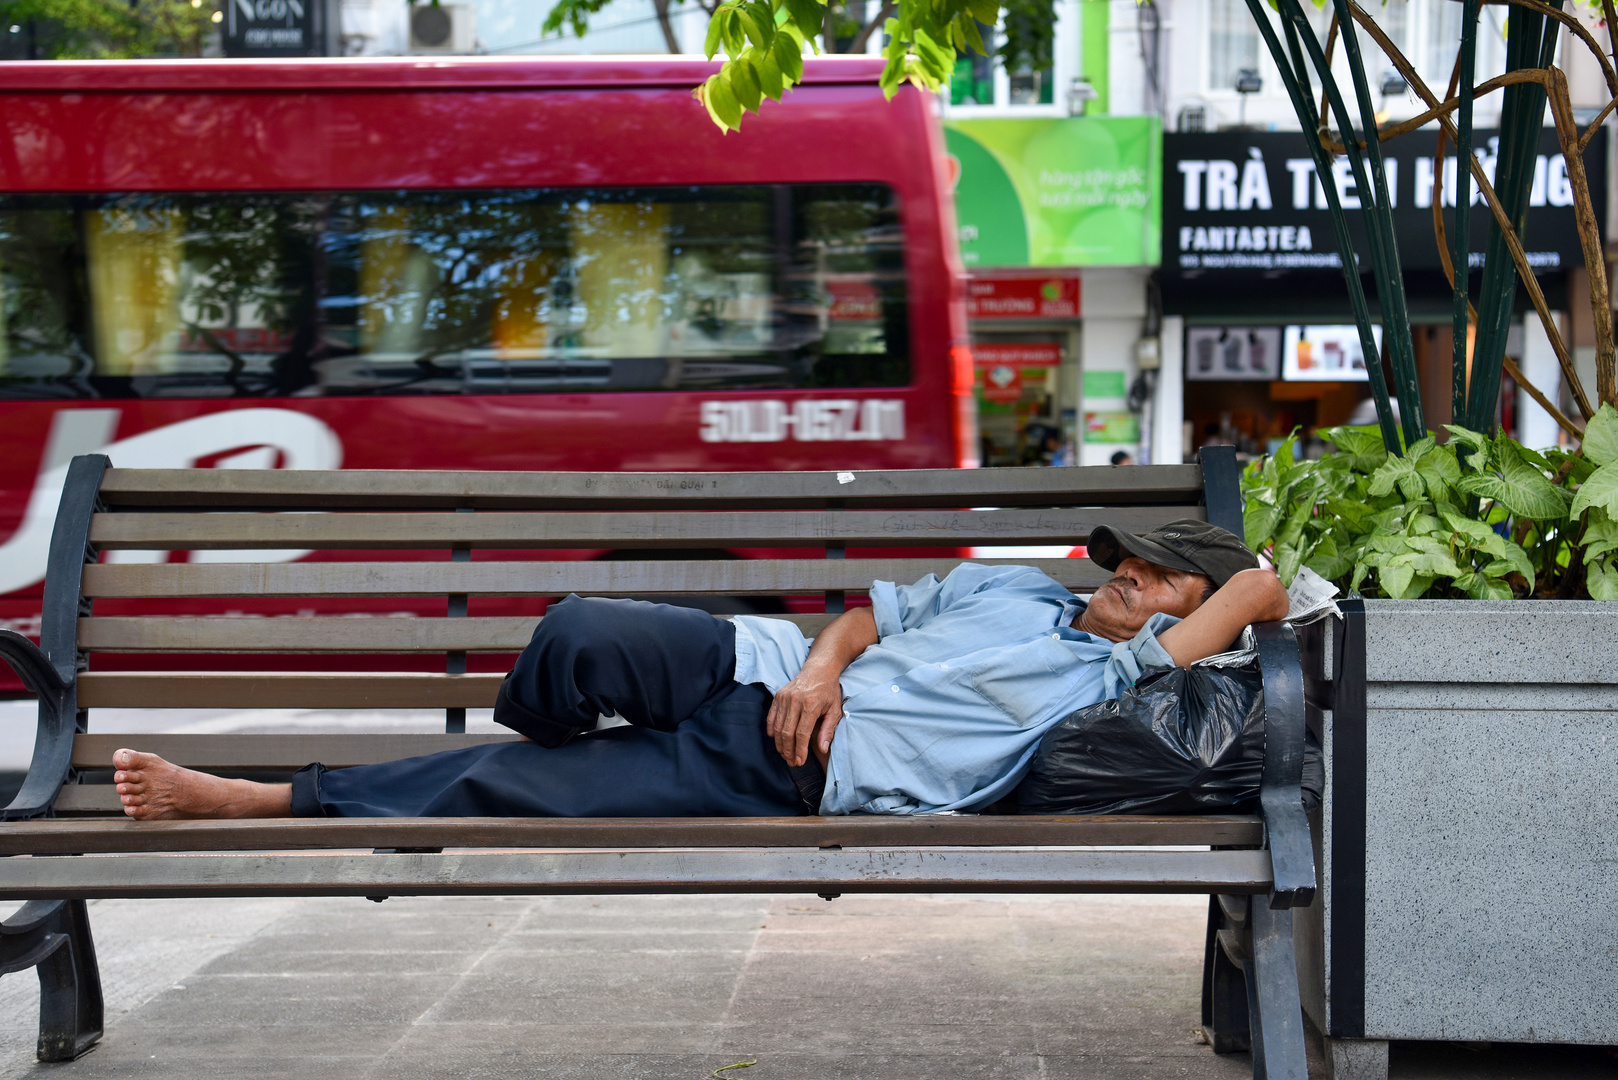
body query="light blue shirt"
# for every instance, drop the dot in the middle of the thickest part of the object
(946, 710)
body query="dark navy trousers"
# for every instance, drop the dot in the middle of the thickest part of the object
(695, 747)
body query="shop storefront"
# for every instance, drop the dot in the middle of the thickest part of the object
(1054, 215)
(1252, 283)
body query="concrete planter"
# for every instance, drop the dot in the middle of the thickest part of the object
(1468, 853)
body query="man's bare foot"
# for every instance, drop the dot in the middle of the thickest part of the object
(152, 789)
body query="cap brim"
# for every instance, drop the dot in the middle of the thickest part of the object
(1116, 545)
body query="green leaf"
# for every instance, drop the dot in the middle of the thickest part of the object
(734, 37)
(1487, 588)
(1438, 467)
(714, 41)
(1600, 490)
(1602, 580)
(770, 79)
(1287, 561)
(808, 16)
(1400, 472)
(759, 28)
(1601, 436)
(722, 105)
(986, 12)
(1397, 581)
(974, 37)
(1523, 491)
(745, 82)
(788, 57)
(1362, 444)
(1475, 440)
(1430, 563)
(1258, 522)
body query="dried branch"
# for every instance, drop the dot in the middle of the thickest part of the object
(1595, 262)
(1573, 24)
(1331, 43)
(1513, 242)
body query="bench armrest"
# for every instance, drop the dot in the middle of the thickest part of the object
(1292, 853)
(53, 745)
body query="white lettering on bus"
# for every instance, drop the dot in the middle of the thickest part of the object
(806, 420)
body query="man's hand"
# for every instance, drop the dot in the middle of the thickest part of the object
(814, 700)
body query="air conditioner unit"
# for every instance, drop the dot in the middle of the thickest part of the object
(442, 28)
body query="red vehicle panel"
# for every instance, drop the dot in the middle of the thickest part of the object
(479, 263)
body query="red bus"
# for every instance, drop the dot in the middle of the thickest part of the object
(471, 263)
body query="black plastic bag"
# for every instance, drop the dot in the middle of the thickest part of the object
(1180, 741)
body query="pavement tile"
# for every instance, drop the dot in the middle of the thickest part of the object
(297, 999)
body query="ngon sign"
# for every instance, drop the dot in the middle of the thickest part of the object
(276, 28)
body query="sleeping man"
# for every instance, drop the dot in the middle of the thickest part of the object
(934, 698)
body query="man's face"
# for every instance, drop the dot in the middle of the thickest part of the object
(1137, 591)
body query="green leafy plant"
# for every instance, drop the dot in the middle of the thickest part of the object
(1509, 522)
(113, 29)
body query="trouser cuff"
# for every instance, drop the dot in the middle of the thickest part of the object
(306, 791)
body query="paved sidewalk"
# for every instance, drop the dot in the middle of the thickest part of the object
(887, 988)
(608, 987)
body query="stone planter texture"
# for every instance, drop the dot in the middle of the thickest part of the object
(1490, 810)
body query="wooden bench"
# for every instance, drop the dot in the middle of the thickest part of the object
(65, 841)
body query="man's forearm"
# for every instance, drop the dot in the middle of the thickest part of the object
(1251, 596)
(842, 642)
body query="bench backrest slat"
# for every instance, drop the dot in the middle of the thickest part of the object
(286, 690)
(897, 489)
(530, 578)
(632, 530)
(337, 634)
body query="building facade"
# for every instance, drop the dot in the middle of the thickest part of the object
(1146, 240)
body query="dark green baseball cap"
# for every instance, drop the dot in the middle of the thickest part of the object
(1196, 547)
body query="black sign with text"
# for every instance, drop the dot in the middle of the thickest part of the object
(1245, 224)
(277, 28)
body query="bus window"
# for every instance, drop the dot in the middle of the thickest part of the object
(464, 292)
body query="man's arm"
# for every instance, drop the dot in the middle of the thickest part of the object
(815, 697)
(1251, 596)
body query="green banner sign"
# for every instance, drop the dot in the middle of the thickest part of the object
(1080, 191)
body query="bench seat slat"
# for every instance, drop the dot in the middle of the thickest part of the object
(62, 836)
(662, 871)
(300, 634)
(892, 489)
(286, 690)
(538, 578)
(499, 529)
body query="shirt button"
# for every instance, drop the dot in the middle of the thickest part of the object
(895, 689)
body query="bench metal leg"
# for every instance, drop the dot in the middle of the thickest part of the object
(53, 936)
(1224, 987)
(1250, 987)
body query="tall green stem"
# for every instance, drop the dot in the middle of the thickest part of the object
(1461, 235)
(1530, 42)
(1379, 229)
(1299, 30)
